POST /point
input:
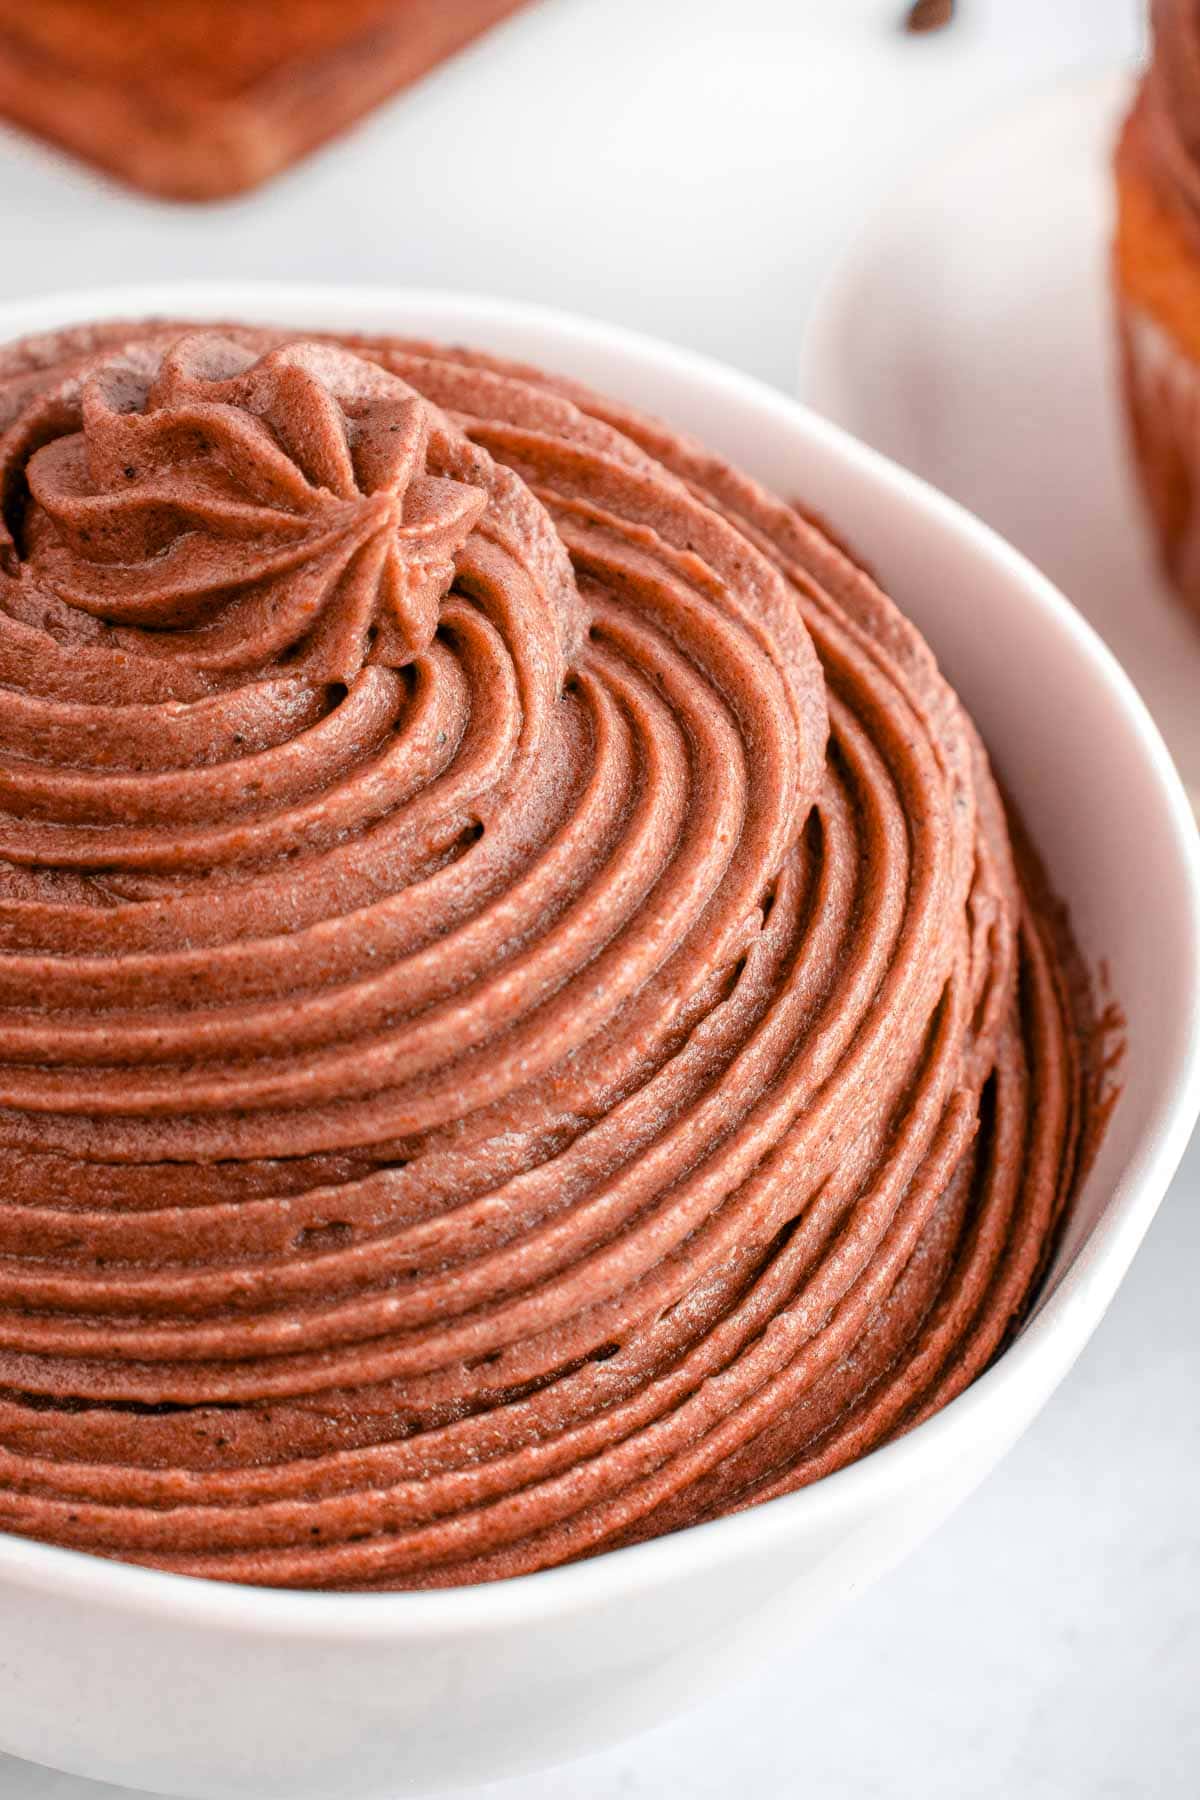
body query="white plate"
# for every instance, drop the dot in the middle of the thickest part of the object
(969, 336)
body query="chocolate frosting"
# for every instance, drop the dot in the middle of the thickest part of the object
(521, 1026)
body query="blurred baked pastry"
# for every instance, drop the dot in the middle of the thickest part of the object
(1157, 286)
(200, 99)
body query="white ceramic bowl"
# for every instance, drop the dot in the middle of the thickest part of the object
(194, 1688)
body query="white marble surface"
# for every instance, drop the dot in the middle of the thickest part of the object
(691, 167)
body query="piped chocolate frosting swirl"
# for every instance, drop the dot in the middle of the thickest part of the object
(521, 1026)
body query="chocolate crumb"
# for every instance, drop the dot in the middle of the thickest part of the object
(929, 15)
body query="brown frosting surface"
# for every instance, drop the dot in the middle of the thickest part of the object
(521, 1026)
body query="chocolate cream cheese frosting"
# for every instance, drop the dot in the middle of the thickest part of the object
(521, 1024)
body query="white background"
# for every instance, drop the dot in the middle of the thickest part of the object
(693, 167)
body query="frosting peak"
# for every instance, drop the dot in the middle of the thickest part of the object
(250, 509)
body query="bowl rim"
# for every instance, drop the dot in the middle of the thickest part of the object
(1054, 1335)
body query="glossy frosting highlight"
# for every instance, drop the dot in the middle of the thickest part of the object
(521, 1024)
